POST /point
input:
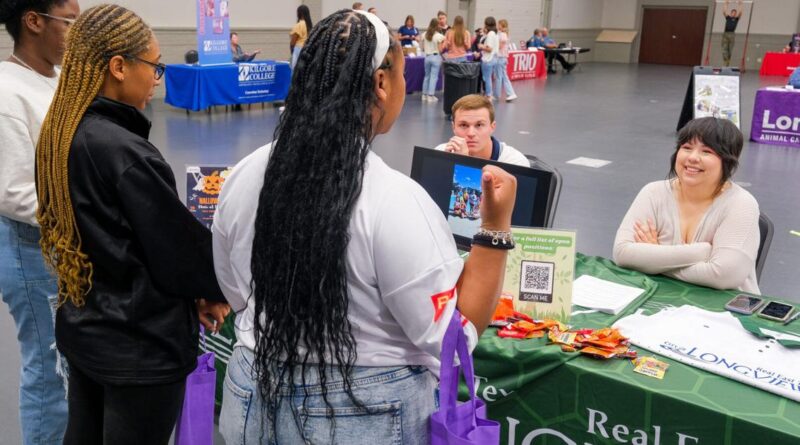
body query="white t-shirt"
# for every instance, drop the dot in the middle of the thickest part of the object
(402, 264)
(493, 42)
(25, 97)
(432, 46)
(508, 154)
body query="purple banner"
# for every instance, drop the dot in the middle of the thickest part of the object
(776, 117)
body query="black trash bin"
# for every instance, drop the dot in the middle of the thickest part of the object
(460, 79)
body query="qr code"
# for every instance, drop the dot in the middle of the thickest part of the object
(536, 281)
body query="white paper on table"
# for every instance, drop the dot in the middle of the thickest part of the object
(717, 343)
(605, 296)
(589, 162)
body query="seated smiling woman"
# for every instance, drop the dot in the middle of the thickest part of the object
(697, 226)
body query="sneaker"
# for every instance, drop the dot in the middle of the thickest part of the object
(570, 67)
(424, 97)
(433, 99)
(511, 97)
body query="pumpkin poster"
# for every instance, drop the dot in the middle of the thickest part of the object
(203, 184)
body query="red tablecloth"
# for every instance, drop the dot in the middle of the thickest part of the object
(526, 65)
(779, 64)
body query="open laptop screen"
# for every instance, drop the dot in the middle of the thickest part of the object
(454, 183)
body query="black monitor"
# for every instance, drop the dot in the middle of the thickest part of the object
(454, 183)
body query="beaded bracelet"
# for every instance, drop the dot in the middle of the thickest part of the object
(494, 238)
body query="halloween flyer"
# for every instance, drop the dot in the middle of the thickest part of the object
(203, 184)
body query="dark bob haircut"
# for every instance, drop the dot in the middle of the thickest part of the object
(11, 12)
(720, 135)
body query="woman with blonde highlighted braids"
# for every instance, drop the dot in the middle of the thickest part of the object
(131, 260)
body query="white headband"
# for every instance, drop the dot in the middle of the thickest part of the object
(381, 38)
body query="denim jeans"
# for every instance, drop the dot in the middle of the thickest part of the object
(29, 289)
(432, 65)
(460, 59)
(501, 76)
(295, 55)
(487, 69)
(398, 403)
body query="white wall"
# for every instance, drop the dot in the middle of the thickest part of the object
(577, 14)
(619, 14)
(181, 13)
(394, 12)
(523, 16)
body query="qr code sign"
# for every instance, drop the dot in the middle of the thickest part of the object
(536, 282)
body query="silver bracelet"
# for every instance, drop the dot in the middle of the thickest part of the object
(494, 238)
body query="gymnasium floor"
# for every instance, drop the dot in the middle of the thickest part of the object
(625, 114)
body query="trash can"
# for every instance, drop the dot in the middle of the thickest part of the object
(460, 79)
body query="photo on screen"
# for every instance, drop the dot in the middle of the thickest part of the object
(463, 213)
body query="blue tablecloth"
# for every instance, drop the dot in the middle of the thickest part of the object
(196, 87)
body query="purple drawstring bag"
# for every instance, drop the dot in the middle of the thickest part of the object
(465, 423)
(196, 420)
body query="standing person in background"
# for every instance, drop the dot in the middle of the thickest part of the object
(501, 69)
(331, 259)
(432, 46)
(299, 32)
(238, 53)
(131, 260)
(441, 16)
(489, 50)
(408, 32)
(732, 17)
(456, 41)
(28, 80)
(358, 6)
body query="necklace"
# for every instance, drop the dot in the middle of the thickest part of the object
(47, 80)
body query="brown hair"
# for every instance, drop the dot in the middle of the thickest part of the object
(458, 31)
(720, 135)
(503, 24)
(432, 28)
(100, 33)
(473, 102)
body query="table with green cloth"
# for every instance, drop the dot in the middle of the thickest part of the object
(542, 395)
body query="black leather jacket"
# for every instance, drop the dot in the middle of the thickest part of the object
(151, 257)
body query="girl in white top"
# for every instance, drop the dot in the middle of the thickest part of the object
(698, 226)
(28, 81)
(432, 46)
(489, 49)
(342, 271)
(501, 69)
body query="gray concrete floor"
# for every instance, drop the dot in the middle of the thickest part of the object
(622, 113)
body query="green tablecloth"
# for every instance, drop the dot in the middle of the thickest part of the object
(542, 395)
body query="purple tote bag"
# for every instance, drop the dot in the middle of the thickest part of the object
(465, 423)
(196, 421)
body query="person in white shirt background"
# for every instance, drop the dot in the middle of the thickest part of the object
(489, 53)
(501, 68)
(28, 80)
(345, 272)
(473, 129)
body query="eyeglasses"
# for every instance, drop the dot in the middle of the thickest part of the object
(159, 68)
(66, 20)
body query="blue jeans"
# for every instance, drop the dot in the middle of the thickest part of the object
(501, 76)
(296, 55)
(461, 59)
(29, 289)
(432, 65)
(398, 403)
(487, 69)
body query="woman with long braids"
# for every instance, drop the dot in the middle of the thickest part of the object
(130, 258)
(343, 271)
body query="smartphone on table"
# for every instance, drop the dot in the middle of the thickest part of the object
(776, 311)
(744, 304)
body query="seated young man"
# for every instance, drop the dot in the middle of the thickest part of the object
(473, 126)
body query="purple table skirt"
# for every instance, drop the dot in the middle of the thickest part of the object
(415, 74)
(776, 118)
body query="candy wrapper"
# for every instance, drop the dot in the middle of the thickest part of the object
(651, 367)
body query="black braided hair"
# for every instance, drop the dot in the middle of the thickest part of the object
(11, 12)
(311, 184)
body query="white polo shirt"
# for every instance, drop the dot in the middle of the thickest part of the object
(508, 155)
(402, 264)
